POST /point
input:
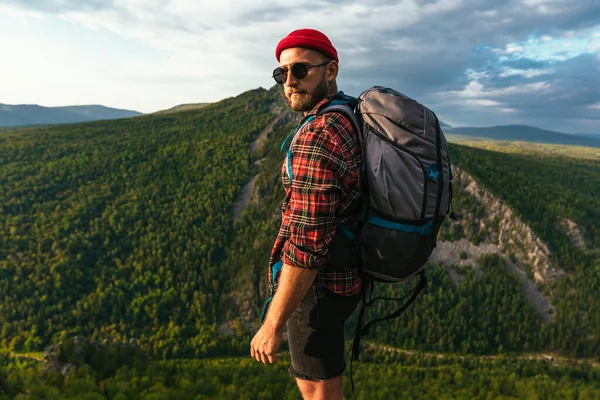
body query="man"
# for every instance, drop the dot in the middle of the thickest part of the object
(316, 290)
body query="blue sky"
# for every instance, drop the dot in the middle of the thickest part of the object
(474, 62)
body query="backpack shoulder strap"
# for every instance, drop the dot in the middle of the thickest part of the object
(346, 106)
(349, 107)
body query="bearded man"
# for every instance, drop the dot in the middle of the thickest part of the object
(314, 291)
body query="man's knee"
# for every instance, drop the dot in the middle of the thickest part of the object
(329, 389)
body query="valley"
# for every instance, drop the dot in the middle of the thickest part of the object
(158, 229)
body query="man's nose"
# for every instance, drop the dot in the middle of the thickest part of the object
(291, 80)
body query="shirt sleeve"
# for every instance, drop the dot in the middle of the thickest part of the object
(315, 197)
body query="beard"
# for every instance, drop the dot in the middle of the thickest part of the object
(304, 101)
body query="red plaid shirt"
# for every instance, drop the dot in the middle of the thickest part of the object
(325, 167)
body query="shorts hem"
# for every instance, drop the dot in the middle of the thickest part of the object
(296, 374)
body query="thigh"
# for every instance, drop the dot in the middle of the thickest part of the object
(316, 334)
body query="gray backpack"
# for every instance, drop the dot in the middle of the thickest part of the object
(407, 189)
(408, 180)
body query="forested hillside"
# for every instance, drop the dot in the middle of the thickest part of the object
(117, 229)
(159, 229)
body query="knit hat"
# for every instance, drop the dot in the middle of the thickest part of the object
(308, 38)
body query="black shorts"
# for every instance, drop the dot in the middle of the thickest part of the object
(316, 334)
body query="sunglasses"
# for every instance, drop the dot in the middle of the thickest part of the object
(299, 70)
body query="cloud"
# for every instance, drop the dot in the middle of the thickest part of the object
(549, 49)
(477, 61)
(481, 102)
(526, 73)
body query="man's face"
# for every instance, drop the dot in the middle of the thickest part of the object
(303, 94)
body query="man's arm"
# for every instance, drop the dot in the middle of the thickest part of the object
(315, 194)
(293, 285)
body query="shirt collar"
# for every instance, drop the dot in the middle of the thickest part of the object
(320, 104)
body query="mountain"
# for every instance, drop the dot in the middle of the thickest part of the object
(525, 134)
(26, 114)
(183, 107)
(589, 135)
(158, 229)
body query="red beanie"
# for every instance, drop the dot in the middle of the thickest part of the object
(308, 38)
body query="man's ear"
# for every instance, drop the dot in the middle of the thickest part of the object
(332, 70)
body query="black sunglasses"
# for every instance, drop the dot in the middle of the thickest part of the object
(299, 70)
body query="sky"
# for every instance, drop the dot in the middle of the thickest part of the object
(473, 62)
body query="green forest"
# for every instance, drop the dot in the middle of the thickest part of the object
(410, 376)
(124, 230)
(117, 229)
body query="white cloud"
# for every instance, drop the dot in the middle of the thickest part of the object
(513, 48)
(152, 54)
(476, 89)
(482, 102)
(404, 44)
(473, 89)
(595, 106)
(219, 48)
(546, 48)
(474, 75)
(18, 13)
(487, 14)
(548, 7)
(525, 73)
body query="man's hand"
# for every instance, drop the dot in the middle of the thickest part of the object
(294, 283)
(265, 345)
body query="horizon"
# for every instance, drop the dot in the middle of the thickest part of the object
(184, 104)
(533, 62)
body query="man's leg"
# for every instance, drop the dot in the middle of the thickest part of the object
(316, 341)
(330, 389)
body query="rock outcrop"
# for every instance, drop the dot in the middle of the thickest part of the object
(504, 233)
(512, 236)
(574, 233)
(284, 117)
